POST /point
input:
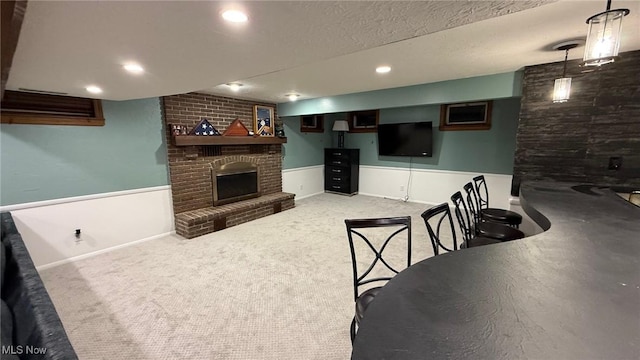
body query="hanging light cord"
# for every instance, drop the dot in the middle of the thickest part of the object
(566, 55)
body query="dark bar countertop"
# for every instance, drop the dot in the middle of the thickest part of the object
(571, 292)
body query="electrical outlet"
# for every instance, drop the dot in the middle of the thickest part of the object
(401, 187)
(615, 162)
(301, 187)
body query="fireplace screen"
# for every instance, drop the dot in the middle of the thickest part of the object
(234, 182)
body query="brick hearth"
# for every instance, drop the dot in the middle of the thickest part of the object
(206, 220)
(190, 166)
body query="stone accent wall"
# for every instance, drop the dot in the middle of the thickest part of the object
(573, 141)
(190, 166)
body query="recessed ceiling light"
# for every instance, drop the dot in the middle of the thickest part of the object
(133, 68)
(293, 97)
(234, 86)
(383, 69)
(235, 16)
(93, 89)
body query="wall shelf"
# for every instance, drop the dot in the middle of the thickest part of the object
(192, 140)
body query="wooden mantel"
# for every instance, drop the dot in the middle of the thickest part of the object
(191, 140)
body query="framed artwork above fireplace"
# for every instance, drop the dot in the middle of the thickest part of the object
(263, 124)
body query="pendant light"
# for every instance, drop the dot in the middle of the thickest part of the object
(562, 86)
(603, 38)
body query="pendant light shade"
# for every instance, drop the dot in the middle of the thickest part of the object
(562, 86)
(603, 38)
(561, 90)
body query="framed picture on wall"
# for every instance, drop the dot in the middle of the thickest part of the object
(466, 116)
(263, 124)
(312, 123)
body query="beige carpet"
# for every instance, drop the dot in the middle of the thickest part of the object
(276, 288)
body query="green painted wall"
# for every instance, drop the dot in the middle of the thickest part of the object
(487, 151)
(39, 162)
(497, 86)
(305, 149)
(42, 162)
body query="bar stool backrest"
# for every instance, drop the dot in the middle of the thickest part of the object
(400, 229)
(437, 219)
(482, 191)
(462, 214)
(473, 200)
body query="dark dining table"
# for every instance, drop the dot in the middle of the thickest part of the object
(570, 292)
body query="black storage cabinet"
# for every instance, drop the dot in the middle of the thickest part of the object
(341, 168)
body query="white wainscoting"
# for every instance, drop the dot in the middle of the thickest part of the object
(304, 182)
(106, 221)
(113, 220)
(428, 186)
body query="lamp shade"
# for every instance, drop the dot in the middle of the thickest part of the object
(561, 90)
(603, 38)
(340, 125)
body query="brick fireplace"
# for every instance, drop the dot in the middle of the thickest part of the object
(197, 171)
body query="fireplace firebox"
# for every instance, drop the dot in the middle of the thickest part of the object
(235, 181)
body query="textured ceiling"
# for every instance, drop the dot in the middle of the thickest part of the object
(315, 48)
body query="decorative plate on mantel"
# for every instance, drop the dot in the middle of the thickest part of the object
(236, 128)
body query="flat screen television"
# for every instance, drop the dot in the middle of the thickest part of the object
(406, 139)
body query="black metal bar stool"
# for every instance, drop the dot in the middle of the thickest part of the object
(481, 228)
(363, 292)
(440, 217)
(503, 216)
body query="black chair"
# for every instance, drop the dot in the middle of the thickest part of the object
(361, 279)
(503, 216)
(470, 227)
(435, 217)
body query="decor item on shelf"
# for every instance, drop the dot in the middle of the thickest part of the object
(341, 126)
(279, 127)
(177, 130)
(603, 38)
(263, 120)
(204, 128)
(236, 128)
(562, 86)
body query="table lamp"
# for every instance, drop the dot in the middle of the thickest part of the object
(341, 126)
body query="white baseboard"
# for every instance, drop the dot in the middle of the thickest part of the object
(398, 199)
(309, 195)
(106, 221)
(98, 252)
